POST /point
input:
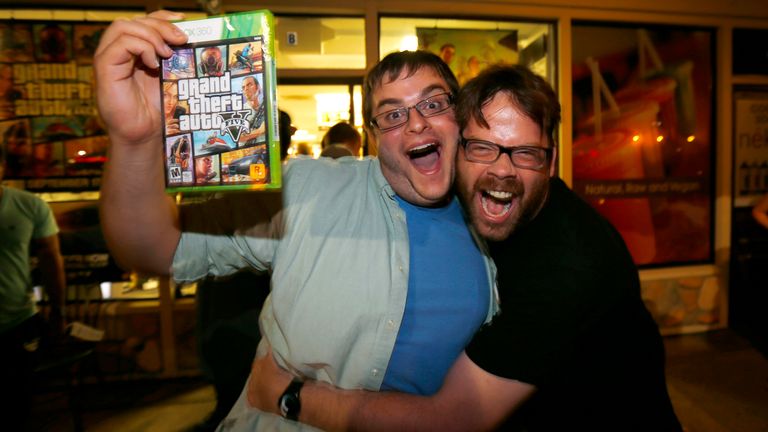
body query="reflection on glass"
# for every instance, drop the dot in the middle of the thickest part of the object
(320, 43)
(643, 159)
(469, 46)
(314, 109)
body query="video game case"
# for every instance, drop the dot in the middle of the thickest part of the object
(220, 107)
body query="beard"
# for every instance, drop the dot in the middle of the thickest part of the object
(524, 204)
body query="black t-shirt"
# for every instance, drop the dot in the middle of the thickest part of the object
(573, 324)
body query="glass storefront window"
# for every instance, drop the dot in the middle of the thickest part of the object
(643, 141)
(315, 108)
(469, 46)
(80, 15)
(320, 43)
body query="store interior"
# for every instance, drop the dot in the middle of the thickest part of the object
(657, 100)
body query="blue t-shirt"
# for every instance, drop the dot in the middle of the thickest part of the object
(447, 298)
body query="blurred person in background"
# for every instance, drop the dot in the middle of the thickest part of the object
(26, 225)
(342, 139)
(227, 325)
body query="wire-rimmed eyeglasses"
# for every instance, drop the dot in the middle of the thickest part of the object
(431, 106)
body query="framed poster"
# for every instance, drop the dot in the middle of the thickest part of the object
(49, 124)
(750, 147)
(642, 144)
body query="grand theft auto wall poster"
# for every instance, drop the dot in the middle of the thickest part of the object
(49, 125)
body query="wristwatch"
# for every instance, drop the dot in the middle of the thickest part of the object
(289, 403)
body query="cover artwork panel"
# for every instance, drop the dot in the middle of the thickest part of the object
(219, 105)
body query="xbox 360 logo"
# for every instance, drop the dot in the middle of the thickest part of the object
(197, 31)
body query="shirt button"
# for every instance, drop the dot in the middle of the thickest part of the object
(390, 324)
(400, 268)
(375, 372)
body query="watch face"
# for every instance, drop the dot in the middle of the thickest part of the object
(289, 406)
(289, 403)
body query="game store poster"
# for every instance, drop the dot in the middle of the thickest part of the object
(47, 105)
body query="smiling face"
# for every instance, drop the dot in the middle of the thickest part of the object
(417, 158)
(498, 196)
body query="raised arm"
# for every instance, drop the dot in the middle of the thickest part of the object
(470, 399)
(139, 220)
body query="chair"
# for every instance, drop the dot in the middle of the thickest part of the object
(62, 363)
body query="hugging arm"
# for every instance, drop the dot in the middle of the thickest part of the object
(470, 399)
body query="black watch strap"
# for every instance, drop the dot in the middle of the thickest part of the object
(289, 403)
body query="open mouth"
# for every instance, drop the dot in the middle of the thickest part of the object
(496, 204)
(426, 158)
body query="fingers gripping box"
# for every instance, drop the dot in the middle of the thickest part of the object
(219, 106)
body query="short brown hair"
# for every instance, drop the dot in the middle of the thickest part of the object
(533, 95)
(391, 66)
(341, 133)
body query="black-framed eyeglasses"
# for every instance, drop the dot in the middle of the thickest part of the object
(431, 106)
(525, 157)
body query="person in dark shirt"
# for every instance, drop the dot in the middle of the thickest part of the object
(228, 322)
(574, 347)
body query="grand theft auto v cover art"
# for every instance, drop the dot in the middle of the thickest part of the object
(219, 106)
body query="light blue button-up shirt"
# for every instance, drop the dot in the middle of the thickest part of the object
(338, 251)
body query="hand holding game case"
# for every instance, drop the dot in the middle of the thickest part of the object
(219, 106)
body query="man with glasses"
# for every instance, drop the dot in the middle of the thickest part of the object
(574, 348)
(377, 282)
